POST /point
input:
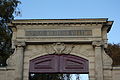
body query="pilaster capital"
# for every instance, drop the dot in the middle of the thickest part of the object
(97, 43)
(20, 43)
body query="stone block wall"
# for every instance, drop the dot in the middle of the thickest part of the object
(116, 73)
(3, 74)
(6, 73)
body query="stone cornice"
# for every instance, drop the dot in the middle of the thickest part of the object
(103, 21)
(59, 21)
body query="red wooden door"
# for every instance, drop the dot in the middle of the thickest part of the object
(59, 64)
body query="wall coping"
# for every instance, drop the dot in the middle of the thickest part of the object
(116, 68)
(6, 68)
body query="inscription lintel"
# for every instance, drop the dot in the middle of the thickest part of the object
(58, 33)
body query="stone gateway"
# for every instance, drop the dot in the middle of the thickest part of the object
(60, 46)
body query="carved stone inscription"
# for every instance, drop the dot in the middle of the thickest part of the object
(49, 33)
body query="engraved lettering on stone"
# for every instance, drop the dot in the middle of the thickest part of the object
(58, 33)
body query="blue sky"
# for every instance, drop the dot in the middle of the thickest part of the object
(70, 9)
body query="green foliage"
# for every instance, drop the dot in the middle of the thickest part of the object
(113, 51)
(46, 77)
(54, 76)
(7, 9)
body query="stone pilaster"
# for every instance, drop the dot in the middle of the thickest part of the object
(98, 60)
(19, 60)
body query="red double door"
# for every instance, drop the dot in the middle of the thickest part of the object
(59, 64)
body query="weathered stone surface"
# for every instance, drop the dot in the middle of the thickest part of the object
(58, 33)
(116, 73)
(85, 38)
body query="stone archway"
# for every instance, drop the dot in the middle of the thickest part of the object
(33, 38)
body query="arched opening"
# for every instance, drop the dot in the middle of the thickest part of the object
(64, 65)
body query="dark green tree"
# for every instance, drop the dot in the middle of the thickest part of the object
(7, 10)
(113, 51)
(54, 76)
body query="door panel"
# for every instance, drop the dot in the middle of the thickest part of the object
(44, 64)
(73, 64)
(59, 64)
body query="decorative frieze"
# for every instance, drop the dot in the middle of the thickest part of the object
(58, 33)
(59, 48)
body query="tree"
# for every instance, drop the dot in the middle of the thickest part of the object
(113, 51)
(7, 10)
(54, 76)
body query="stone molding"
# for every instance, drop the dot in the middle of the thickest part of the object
(11, 60)
(107, 61)
(20, 43)
(3, 68)
(97, 43)
(116, 68)
(100, 43)
(59, 21)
